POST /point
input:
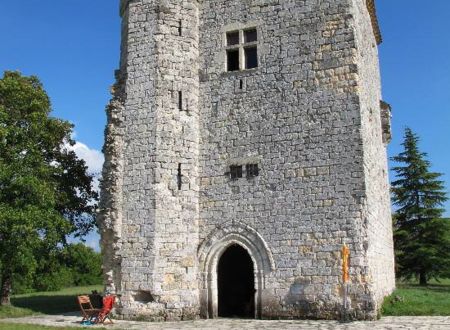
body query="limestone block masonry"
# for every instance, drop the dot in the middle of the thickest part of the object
(282, 154)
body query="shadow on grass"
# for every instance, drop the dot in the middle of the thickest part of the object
(61, 304)
(443, 288)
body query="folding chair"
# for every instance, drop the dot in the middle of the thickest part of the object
(108, 304)
(86, 308)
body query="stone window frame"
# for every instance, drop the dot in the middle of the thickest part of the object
(241, 46)
(251, 170)
(243, 163)
(236, 172)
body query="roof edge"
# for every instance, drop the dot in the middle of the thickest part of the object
(370, 6)
(123, 6)
(374, 18)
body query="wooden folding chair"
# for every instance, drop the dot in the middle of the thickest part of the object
(86, 308)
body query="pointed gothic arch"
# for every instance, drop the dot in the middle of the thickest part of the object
(210, 252)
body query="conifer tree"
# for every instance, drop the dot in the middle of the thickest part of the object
(421, 235)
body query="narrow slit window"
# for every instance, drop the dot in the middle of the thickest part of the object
(235, 172)
(233, 38)
(251, 57)
(233, 60)
(179, 177)
(252, 170)
(180, 100)
(241, 84)
(250, 35)
(180, 28)
(215, 107)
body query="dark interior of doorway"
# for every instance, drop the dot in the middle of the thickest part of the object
(236, 283)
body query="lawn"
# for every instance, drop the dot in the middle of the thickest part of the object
(13, 326)
(409, 299)
(45, 302)
(413, 300)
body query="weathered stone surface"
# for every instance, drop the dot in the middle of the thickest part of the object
(402, 322)
(309, 116)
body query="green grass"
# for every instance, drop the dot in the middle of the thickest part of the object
(14, 326)
(45, 302)
(12, 311)
(410, 299)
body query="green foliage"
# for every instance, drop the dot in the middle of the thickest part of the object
(54, 281)
(23, 284)
(45, 192)
(73, 265)
(421, 235)
(84, 263)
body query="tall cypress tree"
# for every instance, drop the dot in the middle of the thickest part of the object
(421, 235)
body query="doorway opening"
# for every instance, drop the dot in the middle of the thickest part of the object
(236, 283)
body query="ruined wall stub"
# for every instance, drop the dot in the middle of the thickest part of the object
(308, 116)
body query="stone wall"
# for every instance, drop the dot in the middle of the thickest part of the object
(307, 116)
(377, 213)
(156, 274)
(299, 116)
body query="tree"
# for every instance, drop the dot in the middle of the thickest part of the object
(74, 264)
(71, 265)
(50, 273)
(421, 235)
(84, 263)
(45, 190)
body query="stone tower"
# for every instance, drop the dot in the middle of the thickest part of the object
(245, 144)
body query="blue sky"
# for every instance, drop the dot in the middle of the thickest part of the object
(73, 46)
(415, 68)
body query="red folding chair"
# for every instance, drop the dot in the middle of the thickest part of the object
(108, 304)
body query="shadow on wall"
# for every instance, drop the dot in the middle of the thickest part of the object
(299, 303)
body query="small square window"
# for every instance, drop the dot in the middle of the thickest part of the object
(233, 60)
(235, 172)
(232, 38)
(252, 170)
(250, 35)
(251, 57)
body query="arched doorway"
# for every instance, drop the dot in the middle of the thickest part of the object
(236, 283)
(213, 248)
